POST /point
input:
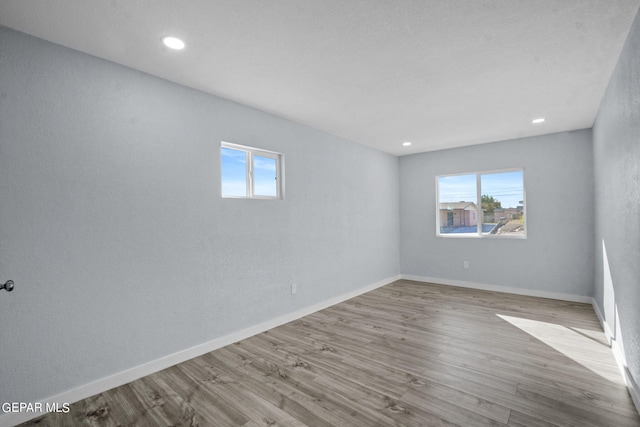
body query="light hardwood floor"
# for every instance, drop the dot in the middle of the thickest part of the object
(406, 354)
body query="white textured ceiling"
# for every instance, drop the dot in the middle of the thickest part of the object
(438, 73)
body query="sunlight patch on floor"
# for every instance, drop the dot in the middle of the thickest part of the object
(583, 347)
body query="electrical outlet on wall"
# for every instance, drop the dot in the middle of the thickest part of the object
(465, 264)
(294, 288)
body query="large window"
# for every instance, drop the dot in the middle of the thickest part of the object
(249, 172)
(484, 204)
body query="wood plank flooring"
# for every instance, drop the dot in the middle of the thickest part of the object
(406, 354)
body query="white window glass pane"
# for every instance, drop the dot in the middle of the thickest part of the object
(502, 203)
(264, 176)
(457, 201)
(234, 172)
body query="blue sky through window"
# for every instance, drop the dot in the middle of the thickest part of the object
(264, 173)
(234, 172)
(506, 187)
(457, 188)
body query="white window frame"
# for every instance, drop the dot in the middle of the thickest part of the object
(479, 214)
(250, 152)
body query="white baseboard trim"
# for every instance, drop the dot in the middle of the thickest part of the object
(498, 288)
(605, 325)
(132, 374)
(632, 386)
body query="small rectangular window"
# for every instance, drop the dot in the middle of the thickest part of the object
(248, 172)
(484, 204)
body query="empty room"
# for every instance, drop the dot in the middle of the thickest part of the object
(323, 213)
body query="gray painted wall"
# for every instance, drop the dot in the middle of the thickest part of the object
(557, 255)
(617, 203)
(122, 250)
(113, 228)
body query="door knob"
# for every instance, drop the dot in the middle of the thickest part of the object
(8, 286)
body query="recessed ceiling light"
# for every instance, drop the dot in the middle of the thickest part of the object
(406, 144)
(173, 42)
(538, 120)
